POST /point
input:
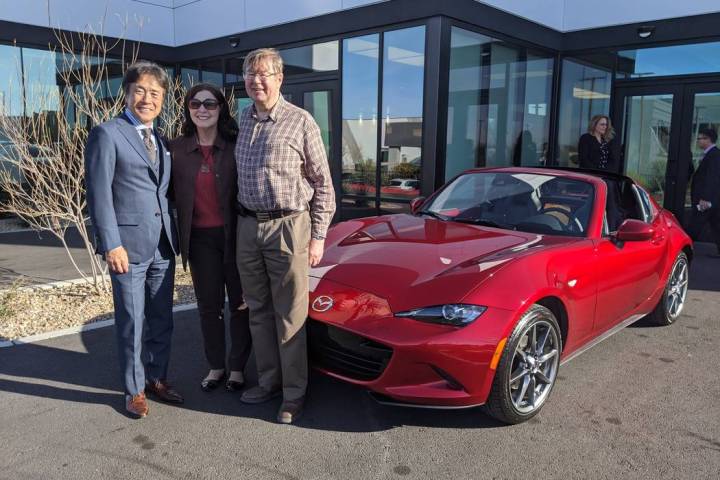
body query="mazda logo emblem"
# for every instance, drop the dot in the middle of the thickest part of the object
(323, 303)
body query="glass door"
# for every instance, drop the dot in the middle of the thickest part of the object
(647, 128)
(317, 98)
(657, 127)
(701, 110)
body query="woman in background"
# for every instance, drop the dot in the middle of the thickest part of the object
(595, 148)
(205, 188)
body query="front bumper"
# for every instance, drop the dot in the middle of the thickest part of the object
(359, 341)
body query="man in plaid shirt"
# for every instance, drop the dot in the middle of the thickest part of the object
(286, 202)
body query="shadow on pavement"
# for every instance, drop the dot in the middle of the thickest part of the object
(705, 269)
(87, 372)
(30, 257)
(62, 369)
(31, 238)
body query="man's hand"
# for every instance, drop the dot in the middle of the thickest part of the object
(117, 260)
(704, 205)
(315, 252)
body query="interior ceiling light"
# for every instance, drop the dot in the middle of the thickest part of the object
(585, 94)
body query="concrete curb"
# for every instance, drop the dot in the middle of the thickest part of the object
(80, 328)
(52, 285)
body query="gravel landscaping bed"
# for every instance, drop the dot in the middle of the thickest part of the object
(29, 311)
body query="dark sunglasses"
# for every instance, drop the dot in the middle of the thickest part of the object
(208, 104)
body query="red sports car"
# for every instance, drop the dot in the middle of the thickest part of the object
(479, 295)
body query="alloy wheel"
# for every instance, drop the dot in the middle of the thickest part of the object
(534, 366)
(677, 289)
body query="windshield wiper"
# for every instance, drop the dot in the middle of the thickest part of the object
(433, 214)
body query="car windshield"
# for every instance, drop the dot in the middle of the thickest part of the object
(527, 202)
(396, 183)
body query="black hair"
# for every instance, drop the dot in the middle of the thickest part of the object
(144, 67)
(227, 126)
(710, 133)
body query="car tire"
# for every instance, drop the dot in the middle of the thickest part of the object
(673, 298)
(526, 371)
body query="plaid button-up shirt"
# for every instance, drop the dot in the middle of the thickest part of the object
(282, 164)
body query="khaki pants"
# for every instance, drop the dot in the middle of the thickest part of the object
(272, 259)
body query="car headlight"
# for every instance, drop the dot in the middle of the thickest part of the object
(456, 314)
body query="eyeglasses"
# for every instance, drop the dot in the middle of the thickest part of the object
(262, 76)
(208, 104)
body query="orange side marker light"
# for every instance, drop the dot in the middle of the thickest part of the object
(498, 353)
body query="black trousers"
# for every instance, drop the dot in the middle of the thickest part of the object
(699, 220)
(211, 277)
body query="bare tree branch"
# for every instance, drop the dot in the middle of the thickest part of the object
(42, 170)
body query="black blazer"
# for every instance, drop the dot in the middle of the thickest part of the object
(186, 161)
(706, 180)
(589, 153)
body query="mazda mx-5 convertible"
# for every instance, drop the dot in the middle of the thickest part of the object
(479, 295)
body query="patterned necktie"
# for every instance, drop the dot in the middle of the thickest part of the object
(149, 146)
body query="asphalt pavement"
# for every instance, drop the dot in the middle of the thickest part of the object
(643, 404)
(30, 257)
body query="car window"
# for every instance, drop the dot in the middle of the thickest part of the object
(647, 206)
(538, 203)
(622, 203)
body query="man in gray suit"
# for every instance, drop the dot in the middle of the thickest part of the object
(127, 173)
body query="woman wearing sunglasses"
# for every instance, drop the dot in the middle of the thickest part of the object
(205, 189)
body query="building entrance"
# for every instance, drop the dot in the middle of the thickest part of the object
(656, 127)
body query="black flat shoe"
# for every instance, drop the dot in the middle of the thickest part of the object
(233, 386)
(208, 385)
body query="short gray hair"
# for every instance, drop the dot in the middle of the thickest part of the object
(144, 67)
(254, 58)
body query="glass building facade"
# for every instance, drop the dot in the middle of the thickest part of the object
(407, 106)
(498, 104)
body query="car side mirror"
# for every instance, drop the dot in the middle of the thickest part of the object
(633, 230)
(416, 203)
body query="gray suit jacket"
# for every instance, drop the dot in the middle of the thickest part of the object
(127, 198)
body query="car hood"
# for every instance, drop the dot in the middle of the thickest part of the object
(405, 259)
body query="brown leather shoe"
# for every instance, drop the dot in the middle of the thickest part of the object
(163, 391)
(136, 405)
(290, 410)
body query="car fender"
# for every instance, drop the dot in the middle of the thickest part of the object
(567, 273)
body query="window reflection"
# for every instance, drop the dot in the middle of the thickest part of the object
(318, 104)
(319, 57)
(359, 120)
(40, 86)
(584, 92)
(403, 71)
(233, 70)
(10, 81)
(646, 141)
(672, 60)
(212, 72)
(498, 104)
(189, 76)
(240, 104)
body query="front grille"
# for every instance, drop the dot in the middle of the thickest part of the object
(345, 353)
